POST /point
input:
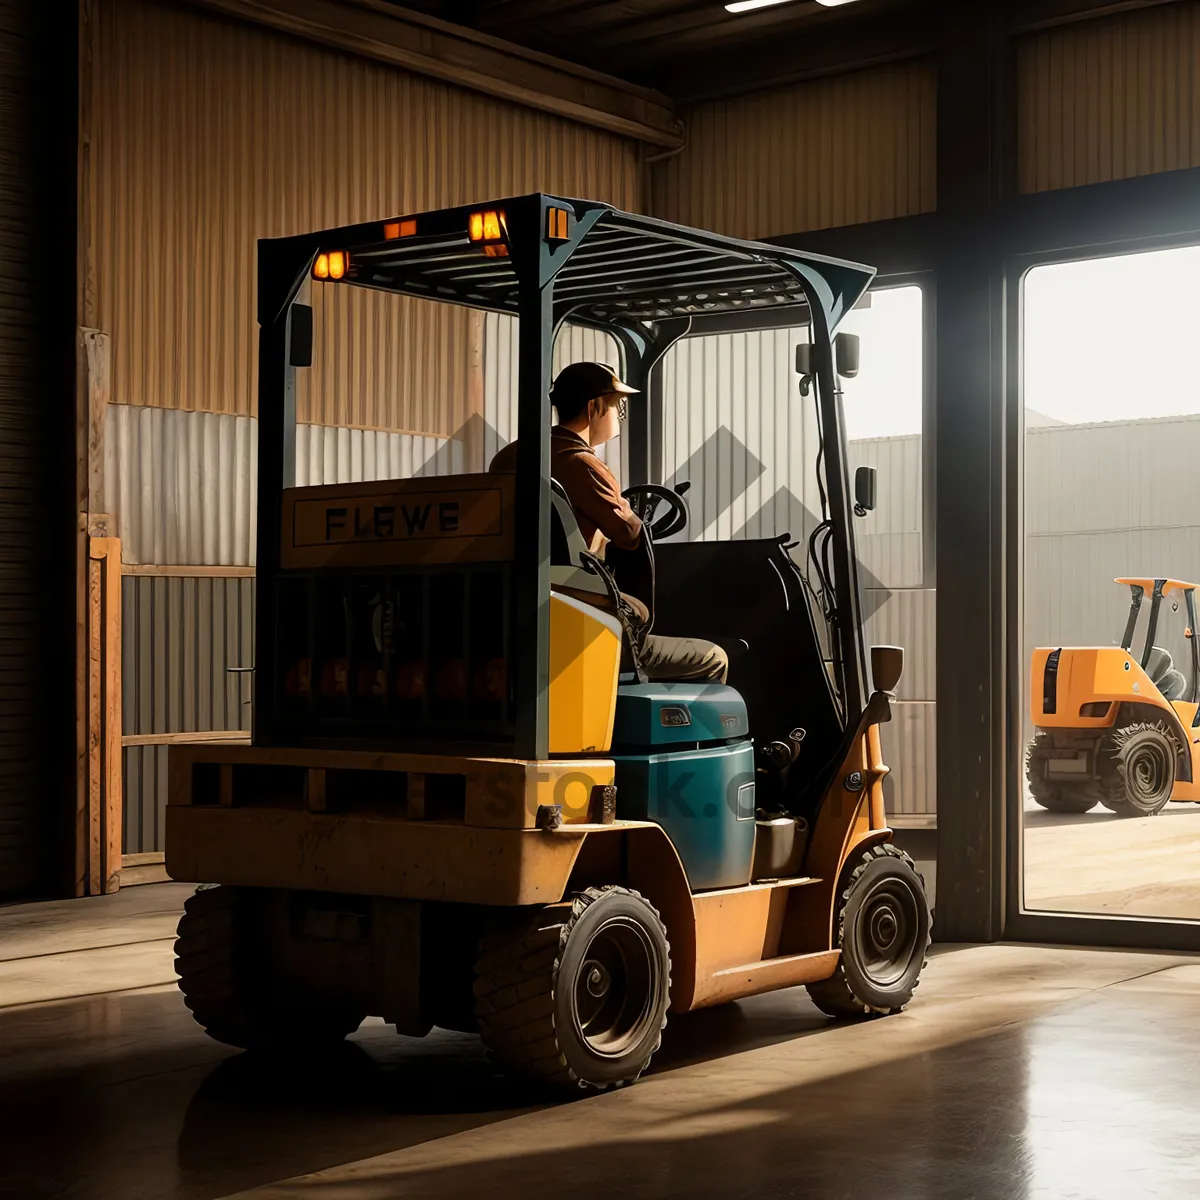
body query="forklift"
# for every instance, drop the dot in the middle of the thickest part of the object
(1120, 725)
(464, 804)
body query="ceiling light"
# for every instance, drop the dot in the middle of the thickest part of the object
(741, 6)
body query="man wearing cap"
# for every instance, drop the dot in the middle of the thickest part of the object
(590, 400)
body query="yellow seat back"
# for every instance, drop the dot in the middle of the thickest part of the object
(585, 661)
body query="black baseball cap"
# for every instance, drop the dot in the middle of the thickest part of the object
(580, 382)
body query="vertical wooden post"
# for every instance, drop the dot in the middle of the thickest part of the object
(98, 796)
(105, 801)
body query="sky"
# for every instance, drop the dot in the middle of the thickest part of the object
(885, 398)
(1112, 339)
(1108, 339)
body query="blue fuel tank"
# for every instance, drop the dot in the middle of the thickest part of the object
(684, 759)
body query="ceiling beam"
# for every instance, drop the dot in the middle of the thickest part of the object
(1029, 16)
(468, 59)
(847, 46)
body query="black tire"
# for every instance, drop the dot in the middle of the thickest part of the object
(576, 999)
(1056, 797)
(1141, 777)
(883, 933)
(229, 994)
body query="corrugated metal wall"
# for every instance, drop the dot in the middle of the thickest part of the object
(210, 134)
(180, 636)
(182, 485)
(837, 151)
(1110, 98)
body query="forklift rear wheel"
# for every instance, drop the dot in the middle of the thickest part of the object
(883, 933)
(1143, 777)
(576, 1003)
(1056, 797)
(230, 996)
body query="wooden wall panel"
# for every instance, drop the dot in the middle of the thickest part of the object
(1109, 99)
(209, 134)
(837, 151)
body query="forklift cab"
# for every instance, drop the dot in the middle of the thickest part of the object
(504, 635)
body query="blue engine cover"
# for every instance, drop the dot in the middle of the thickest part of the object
(668, 714)
(704, 800)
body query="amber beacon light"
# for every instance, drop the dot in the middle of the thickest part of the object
(489, 230)
(332, 264)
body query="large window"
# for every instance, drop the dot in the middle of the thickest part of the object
(1111, 378)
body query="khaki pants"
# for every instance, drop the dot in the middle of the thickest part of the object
(683, 660)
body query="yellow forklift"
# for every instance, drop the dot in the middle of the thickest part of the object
(464, 804)
(1120, 725)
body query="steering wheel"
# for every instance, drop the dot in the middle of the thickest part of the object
(646, 498)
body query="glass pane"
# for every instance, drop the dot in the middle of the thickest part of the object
(1111, 382)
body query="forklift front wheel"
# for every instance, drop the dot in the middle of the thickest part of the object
(883, 934)
(578, 1003)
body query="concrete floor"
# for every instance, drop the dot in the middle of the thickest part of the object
(1097, 862)
(1018, 1073)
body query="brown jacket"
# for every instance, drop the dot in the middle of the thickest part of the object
(602, 512)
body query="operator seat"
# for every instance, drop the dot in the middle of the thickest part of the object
(567, 546)
(1161, 669)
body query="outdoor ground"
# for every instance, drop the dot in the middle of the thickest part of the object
(1097, 862)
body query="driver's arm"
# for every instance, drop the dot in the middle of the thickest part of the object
(595, 493)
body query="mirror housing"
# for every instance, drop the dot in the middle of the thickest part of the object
(846, 352)
(887, 665)
(864, 490)
(300, 336)
(804, 359)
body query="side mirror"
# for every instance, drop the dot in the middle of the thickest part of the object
(300, 336)
(805, 367)
(864, 490)
(846, 348)
(887, 665)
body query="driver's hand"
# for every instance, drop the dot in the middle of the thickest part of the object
(640, 611)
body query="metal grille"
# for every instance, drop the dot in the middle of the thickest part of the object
(394, 655)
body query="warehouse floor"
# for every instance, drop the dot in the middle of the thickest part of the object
(1019, 1072)
(1097, 862)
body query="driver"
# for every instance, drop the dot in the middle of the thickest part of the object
(590, 401)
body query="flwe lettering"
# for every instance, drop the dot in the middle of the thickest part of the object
(387, 521)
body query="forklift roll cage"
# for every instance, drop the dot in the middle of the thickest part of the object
(1159, 588)
(546, 260)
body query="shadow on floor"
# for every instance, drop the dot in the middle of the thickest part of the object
(155, 1109)
(1027, 1111)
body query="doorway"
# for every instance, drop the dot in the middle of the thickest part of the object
(1106, 786)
